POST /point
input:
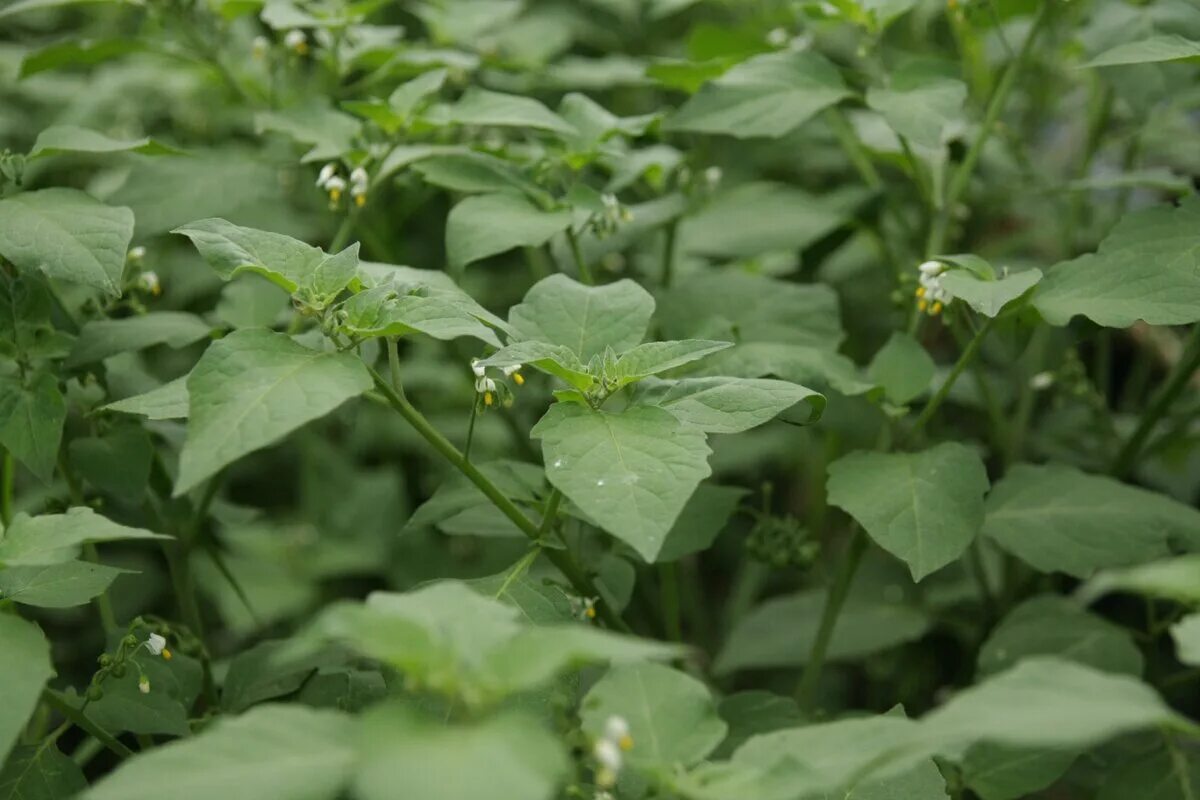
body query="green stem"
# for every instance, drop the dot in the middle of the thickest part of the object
(964, 361)
(668, 257)
(6, 488)
(962, 175)
(585, 274)
(668, 587)
(470, 430)
(1019, 425)
(551, 513)
(848, 139)
(56, 701)
(342, 237)
(1175, 383)
(1180, 767)
(834, 602)
(561, 559)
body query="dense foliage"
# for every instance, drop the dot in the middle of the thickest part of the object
(529, 399)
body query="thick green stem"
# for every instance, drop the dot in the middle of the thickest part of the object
(585, 274)
(7, 474)
(1175, 383)
(551, 513)
(962, 175)
(56, 701)
(342, 237)
(668, 257)
(560, 558)
(834, 602)
(854, 150)
(668, 587)
(964, 361)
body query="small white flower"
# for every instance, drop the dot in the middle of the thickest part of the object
(511, 369)
(712, 176)
(485, 385)
(777, 37)
(607, 754)
(296, 40)
(1041, 381)
(931, 268)
(260, 46)
(616, 728)
(136, 254)
(931, 295)
(326, 174)
(610, 201)
(335, 186)
(144, 685)
(148, 282)
(478, 368)
(156, 644)
(359, 177)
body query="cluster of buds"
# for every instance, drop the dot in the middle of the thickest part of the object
(582, 607)
(613, 215)
(700, 184)
(932, 297)
(296, 40)
(117, 664)
(147, 280)
(609, 749)
(488, 389)
(782, 542)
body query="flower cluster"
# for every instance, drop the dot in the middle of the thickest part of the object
(296, 40)
(488, 388)
(116, 665)
(609, 749)
(932, 297)
(329, 180)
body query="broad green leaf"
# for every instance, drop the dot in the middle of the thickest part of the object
(26, 327)
(489, 224)
(1058, 519)
(72, 52)
(281, 752)
(1186, 634)
(117, 462)
(71, 583)
(1000, 772)
(631, 472)
(102, 338)
(587, 319)
(768, 95)
(1176, 579)
(924, 508)
(1053, 626)
(251, 301)
(596, 123)
(755, 712)
(328, 132)
(299, 268)
(801, 364)
(254, 387)
(539, 603)
(1144, 269)
(55, 538)
(730, 405)
(1154, 775)
(396, 310)
(24, 669)
(1166, 47)
(487, 108)
(703, 517)
(169, 401)
(40, 773)
(903, 368)
(31, 420)
(21, 6)
(73, 139)
(672, 717)
(988, 297)
(472, 172)
(264, 672)
(651, 358)
(428, 281)
(781, 631)
(920, 103)
(508, 757)
(408, 96)
(163, 711)
(757, 218)
(520, 482)
(558, 360)
(730, 304)
(68, 235)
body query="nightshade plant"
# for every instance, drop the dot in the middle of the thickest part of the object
(530, 399)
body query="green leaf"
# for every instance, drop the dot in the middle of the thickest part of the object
(768, 95)
(651, 358)
(71, 583)
(264, 672)
(281, 752)
(920, 103)
(999, 772)
(800, 364)
(553, 359)
(55, 538)
(251, 389)
(163, 711)
(487, 108)
(1058, 519)
(703, 517)
(755, 712)
(520, 482)
(1144, 269)
(117, 462)
(1053, 626)
(730, 405)
(473, 172)
(24, 669)
(988, 297)
(903, 368)
(398, 310)
(102, 338)
(1155, 775)
(31, 420)
(40, 773)
(72, 52)
(631, 472)
(73, 139)
(1156, 49)
(407, 97)
(327, 131)
(924, 508)
(761, 217)
(671, 716)
(429, 282)
(1176, 579)
(67, 235)
(21, 6)
(299, 268)
(486, 225)
(1186, 634)
(781, 631)
(508, 757)
(587, 319)
(169, 401)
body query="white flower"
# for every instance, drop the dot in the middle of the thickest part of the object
(485, 385)
(931, 268)
(136, 254)
(608, 754)
(144, 685)
(777, 37)
(1041, 381)
(326, 174)
(931, 295)
(616, 729)
(359, 177)
(514, 371)
(260, 46)
(156, 644)
(712, 176)
(148, 282)
(296, 40)
(478, 368)
(335, 186)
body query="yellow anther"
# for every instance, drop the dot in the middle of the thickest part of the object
(301, 48)
(922, 305)
(519, 378)
(920, 291)
(335, 195)
(360, 200)
(166, 654)
(937, 308)
(625, 743)
(488, 399)
(590, 612)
